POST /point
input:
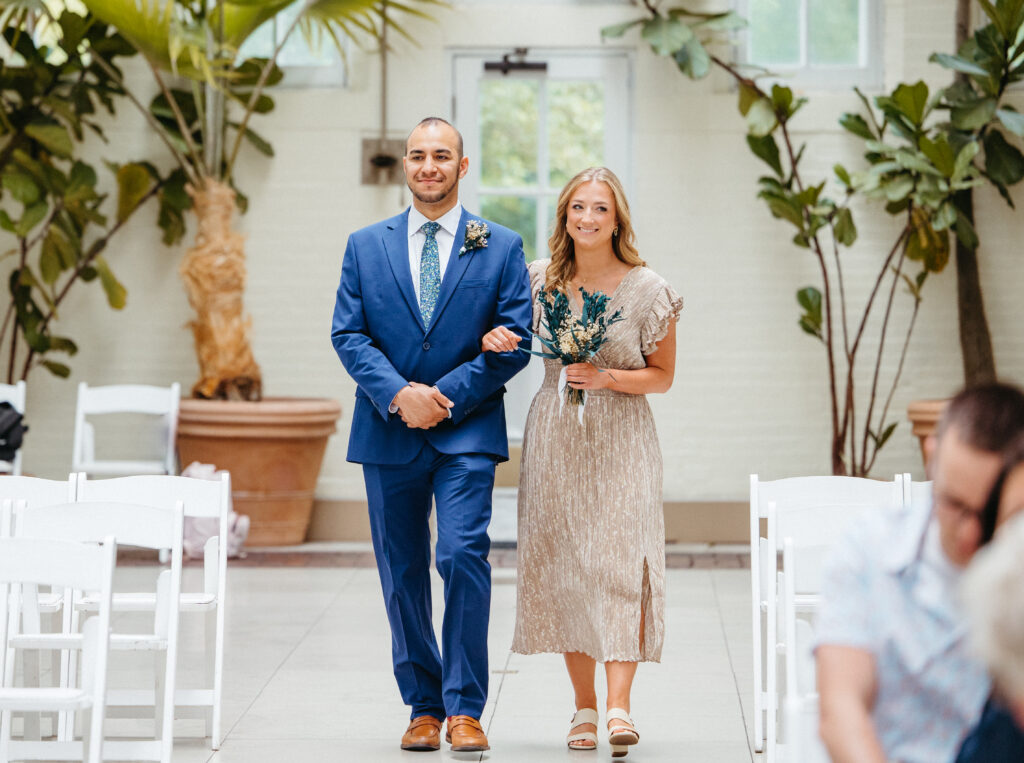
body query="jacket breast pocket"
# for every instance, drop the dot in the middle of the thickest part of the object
(474, 283)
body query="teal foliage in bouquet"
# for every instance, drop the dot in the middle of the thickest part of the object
(572, 339)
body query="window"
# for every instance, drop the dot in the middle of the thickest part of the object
(527, 133)
(818, 44)
(304, 65)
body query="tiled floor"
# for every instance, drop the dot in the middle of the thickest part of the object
(308, 674)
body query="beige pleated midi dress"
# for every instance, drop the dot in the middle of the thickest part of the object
(591, 525)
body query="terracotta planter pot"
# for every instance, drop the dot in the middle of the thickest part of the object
(925, 415)
(273, 449)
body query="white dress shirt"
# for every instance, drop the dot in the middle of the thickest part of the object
(445, 236)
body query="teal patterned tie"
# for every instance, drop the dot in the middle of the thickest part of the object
(430, 272)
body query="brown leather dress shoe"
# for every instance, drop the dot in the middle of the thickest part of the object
(423, 734)
(465, 734)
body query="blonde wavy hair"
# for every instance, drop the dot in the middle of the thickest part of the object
(562, 267)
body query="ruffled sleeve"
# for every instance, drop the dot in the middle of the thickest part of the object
(538, 274)
(665, 306)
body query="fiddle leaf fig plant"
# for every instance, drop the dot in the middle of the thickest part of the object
(917, 169)
(56, 218)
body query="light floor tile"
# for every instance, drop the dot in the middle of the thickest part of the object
(308, 674)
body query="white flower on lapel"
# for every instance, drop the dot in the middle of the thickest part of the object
(477, 234)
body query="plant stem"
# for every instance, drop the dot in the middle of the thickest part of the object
(881, 351)
(896, 379)
(97, 248)
(257, 91)
(158, 128)
(183, 126)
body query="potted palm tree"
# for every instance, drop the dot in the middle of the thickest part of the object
(202, 113)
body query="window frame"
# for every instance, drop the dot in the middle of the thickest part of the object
(619, 135)
(868, 74)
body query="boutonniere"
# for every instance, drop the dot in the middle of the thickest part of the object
(477, 234)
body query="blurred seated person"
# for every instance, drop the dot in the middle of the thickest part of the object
(896, 679)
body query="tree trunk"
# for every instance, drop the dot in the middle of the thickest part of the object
(214, 274)
(975, 339)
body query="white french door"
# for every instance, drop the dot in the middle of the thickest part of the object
(526, 133)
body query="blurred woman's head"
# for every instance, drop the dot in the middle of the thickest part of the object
(993, 596)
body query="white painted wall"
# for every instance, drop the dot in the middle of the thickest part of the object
(750, 392)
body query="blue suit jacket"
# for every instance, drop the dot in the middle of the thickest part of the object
(379, 336)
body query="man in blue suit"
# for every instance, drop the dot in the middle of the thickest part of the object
(417, 294)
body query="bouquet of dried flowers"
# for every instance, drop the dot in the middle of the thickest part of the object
(571, 339)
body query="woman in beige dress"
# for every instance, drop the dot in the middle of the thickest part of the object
(591, 528)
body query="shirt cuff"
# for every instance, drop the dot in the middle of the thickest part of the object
(449, 410)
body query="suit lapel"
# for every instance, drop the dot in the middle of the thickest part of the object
(457, 265)
(396, 246)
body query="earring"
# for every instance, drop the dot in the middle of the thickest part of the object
(615, 231)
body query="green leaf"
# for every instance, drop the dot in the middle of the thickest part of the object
(262, 144)
(63, 344)
(54, 138)
(809, 299)
(666, 35)
(786, 208)
(856, 124)
(766, 149)
(964, 159)
(22, 187)
(6, 222)
(50, 265)
(916, 162)
(965, 231)
(693, 60)
(843, 175)
(55, 368)
(1003, 163)
(618, 30)
(31, 218)
(749, 95)
(973, 115)
(845, 229)
(761, 118)
(940, 153)
(945, 216)
(116, 293)
(880, 440)
(958, 64)
(927, 245)
(912, 101)
(898, 188)
(1012, 121)
(133, 183)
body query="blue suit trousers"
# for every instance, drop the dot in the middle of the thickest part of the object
(452, 681)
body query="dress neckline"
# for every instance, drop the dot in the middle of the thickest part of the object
(578, 306)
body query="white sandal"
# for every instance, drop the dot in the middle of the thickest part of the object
(584, 715)
(620, 737)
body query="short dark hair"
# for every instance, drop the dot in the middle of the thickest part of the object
(988, 417)
(433, 121)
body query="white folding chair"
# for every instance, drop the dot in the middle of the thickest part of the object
(803, 564)
(15, 395)
(916, 493)
(125, 398)
(203, 498)
(149, 527)
(36, 491)
(794, 493)
(25, 564)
